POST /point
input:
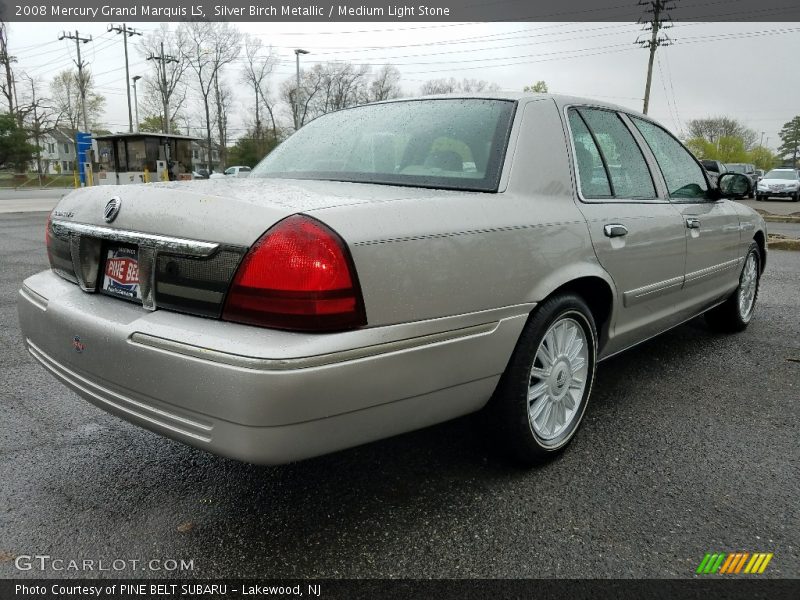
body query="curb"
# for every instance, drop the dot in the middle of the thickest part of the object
(775, 242)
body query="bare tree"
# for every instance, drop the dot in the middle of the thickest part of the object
(40, 115)
(311, 83)
(165, 86)
(327, 87)
(385, 84)
(222, 100)
(207, 48)
(714, 128)
(257, 72)
(6, 84)
(452, 85)
(65, 89)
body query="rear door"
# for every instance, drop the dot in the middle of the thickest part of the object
(712, 226)
(638, 236)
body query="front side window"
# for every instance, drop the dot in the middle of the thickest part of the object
(448, 143)
(684, 177)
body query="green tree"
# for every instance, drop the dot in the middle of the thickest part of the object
(702, 148)
(731, 149)
(790, 138)
(15, 151)
(249, 150)
(762, 158)
(540, 87)
(726, 148)
(151, 124)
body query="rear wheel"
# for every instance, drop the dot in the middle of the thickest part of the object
(540, 400)
(736, 312)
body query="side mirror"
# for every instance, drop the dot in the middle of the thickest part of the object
(734, 185)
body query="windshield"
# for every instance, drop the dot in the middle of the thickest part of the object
(737, 168)
(449, 143)
(784, 174)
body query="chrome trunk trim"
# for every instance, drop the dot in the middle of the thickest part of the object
(161, 243)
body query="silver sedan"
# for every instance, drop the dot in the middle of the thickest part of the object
(389, 267)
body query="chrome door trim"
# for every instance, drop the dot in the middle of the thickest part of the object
(701, 274)
(652, 290)
(162, 243)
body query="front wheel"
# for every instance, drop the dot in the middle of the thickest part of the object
(540, 400)
(796, 197)
(736, 312)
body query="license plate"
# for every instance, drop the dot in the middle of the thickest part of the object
(121, 273)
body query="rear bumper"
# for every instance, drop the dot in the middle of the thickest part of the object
(261, 395)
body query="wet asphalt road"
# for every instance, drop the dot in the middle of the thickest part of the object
(690, 446)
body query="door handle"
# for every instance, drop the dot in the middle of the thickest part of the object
(693, 223)
(613, 230)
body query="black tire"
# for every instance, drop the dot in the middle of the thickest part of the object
(760, 198)
(728, 317)
(796, 197)
(508, 410)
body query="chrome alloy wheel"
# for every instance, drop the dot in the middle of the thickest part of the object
(558, 379)
(748, 284)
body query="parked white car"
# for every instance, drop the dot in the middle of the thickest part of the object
(783, 183)
(237, 171)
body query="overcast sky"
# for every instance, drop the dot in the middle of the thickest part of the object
(744, 70)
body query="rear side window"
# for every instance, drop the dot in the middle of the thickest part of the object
(684, 177)
(591, 172)
(619, 163)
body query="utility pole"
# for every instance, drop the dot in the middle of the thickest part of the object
(297, 53)
(136, 99)
(658, 20)
(164, 59)
(36, 132)
(126, 33)
(81, 82)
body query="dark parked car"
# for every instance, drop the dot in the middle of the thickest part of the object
(747, 169)
(714, 168)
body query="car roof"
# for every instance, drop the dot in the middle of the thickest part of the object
(560, 99)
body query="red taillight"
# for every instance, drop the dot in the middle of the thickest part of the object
(298, 275)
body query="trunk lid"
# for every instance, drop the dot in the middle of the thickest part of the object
(227, 211)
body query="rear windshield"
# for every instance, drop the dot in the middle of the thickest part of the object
(448, 143)
(781, 175)
(740, 168)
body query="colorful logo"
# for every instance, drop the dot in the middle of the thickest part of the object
(78, 345)
(734, 563)
(122, 272)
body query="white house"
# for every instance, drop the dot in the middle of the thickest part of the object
(57, 153)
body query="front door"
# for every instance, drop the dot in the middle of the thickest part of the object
(712, 227)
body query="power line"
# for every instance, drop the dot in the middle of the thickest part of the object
(126, 33)
(80, 64)
(164, 59)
